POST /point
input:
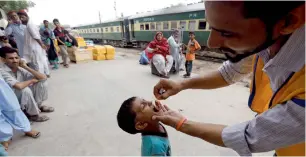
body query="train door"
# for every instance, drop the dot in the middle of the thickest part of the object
(122, 29)
(126, 30)
(132, 29)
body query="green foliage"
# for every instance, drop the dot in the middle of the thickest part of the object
(16, 5)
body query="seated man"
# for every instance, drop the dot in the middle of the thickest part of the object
(29, 85)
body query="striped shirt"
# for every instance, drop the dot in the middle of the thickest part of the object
(17, 30)
(284, 124)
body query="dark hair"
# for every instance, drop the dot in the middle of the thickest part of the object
(11, 12)
(191, 33)
(21, 12)
(270, 12)
(55, 20)
(4, 50)
(126, 117)
(45, 21)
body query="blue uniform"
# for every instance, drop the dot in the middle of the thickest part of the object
(155, 144)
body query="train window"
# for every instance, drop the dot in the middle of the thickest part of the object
(106, 29)
(173, 24)
(118, 29)
(152, 25)
(98, 30)
(142, 27)
(147, 27)
(112, 29)
(192, 25)
(183, 25)
(166, 25)
(101, 29)
(158, 26)
(202, 25)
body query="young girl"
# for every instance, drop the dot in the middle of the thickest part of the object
(52, 55)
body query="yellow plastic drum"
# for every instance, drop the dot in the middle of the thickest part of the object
(110, 52)
(99, 52)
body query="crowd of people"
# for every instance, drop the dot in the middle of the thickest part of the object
(26, 52)
(166, 55)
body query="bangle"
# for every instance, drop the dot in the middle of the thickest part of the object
(180, 123)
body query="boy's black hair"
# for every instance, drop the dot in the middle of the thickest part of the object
(55, 20)
(191, 33)
(4, 50)
(66, 32)
(45, 21)
(126, 117)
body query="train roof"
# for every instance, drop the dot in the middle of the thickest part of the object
(102, 22)
(171, 10)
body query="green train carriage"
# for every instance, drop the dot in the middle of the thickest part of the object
(138, 30)
(186, 18)
(110, 32)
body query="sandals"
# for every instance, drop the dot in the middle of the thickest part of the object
(46, 109)
(29, 134)
(66, 65)
(38, 118)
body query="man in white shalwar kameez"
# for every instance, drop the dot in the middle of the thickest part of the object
(175, 52)
(34, 49)
(29, 85)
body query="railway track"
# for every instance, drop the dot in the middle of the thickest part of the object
(210, 58)
(203, 55)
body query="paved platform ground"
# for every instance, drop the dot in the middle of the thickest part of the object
(87, 96)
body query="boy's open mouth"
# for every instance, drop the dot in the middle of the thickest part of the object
(155, 109)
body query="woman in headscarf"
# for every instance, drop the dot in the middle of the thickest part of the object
(175, 51)
(159, 53)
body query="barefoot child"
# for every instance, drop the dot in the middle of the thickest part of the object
(192, 47)
(135, 116)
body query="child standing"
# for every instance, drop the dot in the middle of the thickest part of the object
(135, 116)
(192, 47)
(51, 51)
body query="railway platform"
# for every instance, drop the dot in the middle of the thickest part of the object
(87, 97)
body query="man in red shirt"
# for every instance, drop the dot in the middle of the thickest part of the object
(60, 37)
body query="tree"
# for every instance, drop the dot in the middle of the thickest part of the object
(16, 5)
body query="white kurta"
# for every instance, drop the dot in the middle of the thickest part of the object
(175, 53)
(33, 52)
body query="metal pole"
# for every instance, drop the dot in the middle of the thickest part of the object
(115, 8)
(102, 31)
(100, 17)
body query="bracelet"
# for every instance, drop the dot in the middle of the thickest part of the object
(180, 123)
